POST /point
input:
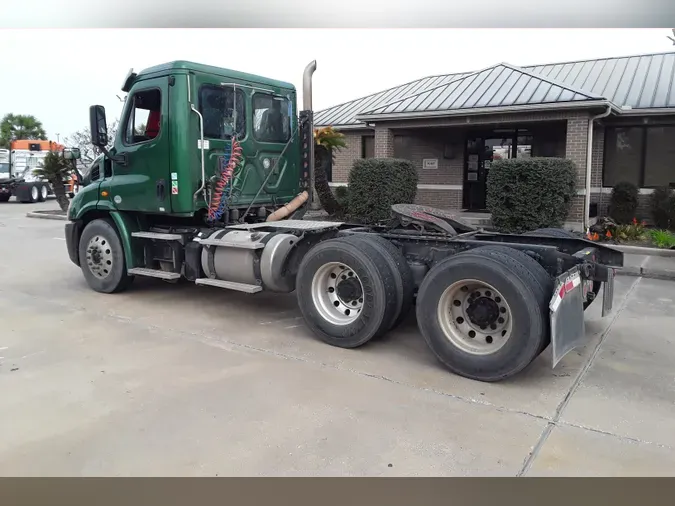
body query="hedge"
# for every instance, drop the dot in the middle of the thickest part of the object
(375, 184)
(530, 193)
(623, 203)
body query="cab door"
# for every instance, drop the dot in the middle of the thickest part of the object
(141, 181)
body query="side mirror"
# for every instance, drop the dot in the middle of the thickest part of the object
(71, 153)
(98, 126)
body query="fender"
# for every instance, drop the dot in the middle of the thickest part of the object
(126, 224)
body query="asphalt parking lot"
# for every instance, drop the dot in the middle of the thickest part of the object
(180, 380)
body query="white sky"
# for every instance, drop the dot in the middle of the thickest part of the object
(57, 74)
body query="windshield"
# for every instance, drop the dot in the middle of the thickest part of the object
(271, 118)
(4, 168)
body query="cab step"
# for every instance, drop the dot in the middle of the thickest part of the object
(229, 285)
(157, 235)
(153, 273)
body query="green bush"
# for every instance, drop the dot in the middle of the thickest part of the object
(375, 184)
(342, 197)
(623, 203)
(526, 194)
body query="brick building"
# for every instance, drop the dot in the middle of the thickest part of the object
(453, 126)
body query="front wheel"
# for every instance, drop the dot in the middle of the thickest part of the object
(102, 258)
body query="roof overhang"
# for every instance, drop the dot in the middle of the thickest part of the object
(356, 126)
(585, 104)
(656, 111)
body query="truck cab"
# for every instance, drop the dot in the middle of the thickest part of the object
(178, 126)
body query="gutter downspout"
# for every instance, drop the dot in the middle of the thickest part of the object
(589, 161)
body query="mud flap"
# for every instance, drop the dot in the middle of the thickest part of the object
(567, 314)
(608, 293)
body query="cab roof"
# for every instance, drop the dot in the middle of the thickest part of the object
(183, 65)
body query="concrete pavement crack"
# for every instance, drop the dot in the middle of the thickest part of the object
(529, 460)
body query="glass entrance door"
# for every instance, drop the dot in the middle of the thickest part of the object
(481, 151)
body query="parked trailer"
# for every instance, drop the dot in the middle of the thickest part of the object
(487, 304)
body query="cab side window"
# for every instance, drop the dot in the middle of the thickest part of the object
(217, 107)
(143, 122)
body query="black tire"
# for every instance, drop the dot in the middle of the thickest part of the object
(117, 279)
(40, 197)
(523, 295)
(33, 199)
(402, 271)
(543, 282)
(5, 198)
(380, 301)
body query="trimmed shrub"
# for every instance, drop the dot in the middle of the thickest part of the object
(342, 197)
(530, 193)
(623, 203)
(375, 184)
(660, 207)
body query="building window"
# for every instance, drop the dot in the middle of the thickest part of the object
(623, 155)
(642, 155)
(216, 105)
(368, 146)
(660, 157)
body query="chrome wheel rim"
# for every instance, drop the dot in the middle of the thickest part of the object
(44, 192)
(34, 193)
(99, 257)
(337, 293)
(475, 317)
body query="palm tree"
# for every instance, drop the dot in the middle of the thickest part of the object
(56, 169)
(327, 141)
(19, 127)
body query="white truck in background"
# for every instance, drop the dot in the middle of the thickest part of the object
(16, 171)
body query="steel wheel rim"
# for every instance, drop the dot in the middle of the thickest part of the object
(337, 293)
(44, 192)
(99, 257)
(475, 317)
(34, 193)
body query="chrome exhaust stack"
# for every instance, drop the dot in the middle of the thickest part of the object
(307, 133)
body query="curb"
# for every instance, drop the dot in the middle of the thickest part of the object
(646, 272)
(641, 250)
(45, 216)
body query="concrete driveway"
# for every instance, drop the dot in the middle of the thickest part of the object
(169, 380)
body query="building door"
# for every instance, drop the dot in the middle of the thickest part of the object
(481, 151)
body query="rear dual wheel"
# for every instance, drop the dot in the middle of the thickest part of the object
(484, 312)
(353, 289)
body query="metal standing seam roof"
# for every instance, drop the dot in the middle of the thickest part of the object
(639, 82)
(501, 85)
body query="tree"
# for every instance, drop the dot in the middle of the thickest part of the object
(327, 141)
(82, 140)
(56, 170)
(15, 127)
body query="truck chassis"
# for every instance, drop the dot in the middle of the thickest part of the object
(487, 304)
(23, 191)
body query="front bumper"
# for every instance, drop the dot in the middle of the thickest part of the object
(72, 230)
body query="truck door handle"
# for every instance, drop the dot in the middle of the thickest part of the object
(160, 190)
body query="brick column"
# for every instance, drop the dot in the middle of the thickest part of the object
(575, 150)
(384, 143)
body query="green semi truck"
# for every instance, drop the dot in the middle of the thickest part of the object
(209, 178)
